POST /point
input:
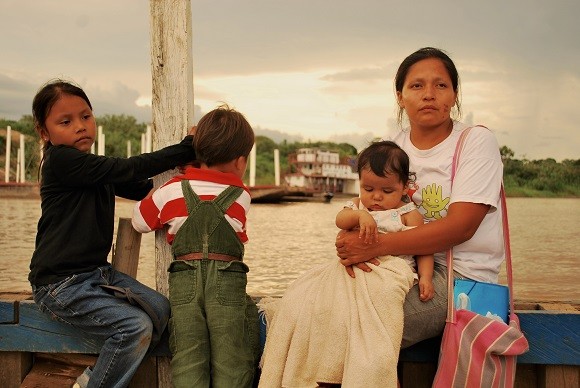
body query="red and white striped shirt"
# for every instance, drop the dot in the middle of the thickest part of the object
(167, 205)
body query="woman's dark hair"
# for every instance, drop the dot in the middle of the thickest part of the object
(222, 135)
(419, 55)
(45, 99)
(383, 158)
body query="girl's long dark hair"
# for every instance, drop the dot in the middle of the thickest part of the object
(43, 102)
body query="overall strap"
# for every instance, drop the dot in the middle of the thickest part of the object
(406, 208)
(191, 198)
(223, 201)
(205, 218)
(227, 197)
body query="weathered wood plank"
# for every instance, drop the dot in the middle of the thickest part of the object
(13, 367)
(553, 306)
(36, 332)
(416, 375)
(526, 376)
(146, 375)
(126, 250)
(8, 312)
(553, 336)
(561, 376)
(424, 352)
(56, 370)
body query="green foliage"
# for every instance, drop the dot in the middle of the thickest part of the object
(506, 153)
(541, 178)
(24, 126)
(118, 130)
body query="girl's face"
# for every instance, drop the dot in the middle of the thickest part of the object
(381, 193)
(427, 95)
(70, 122)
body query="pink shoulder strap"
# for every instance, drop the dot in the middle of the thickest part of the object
(506, 238)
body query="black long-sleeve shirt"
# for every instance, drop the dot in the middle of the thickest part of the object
(75, 230)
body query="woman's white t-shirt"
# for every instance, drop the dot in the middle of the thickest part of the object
(477, 180)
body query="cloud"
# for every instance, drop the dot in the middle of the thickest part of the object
(316, 69)
(16, 97)
(277, 136)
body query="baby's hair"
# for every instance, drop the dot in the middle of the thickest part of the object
(45, 99)
(383, 158)
(222, 135)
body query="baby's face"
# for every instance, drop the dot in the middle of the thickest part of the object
(380, 193)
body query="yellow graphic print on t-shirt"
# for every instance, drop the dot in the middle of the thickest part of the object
(432, 201)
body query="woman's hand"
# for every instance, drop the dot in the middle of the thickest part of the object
(353, 251)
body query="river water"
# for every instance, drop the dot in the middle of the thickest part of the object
(288, 238)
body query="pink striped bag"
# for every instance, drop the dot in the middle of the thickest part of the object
(477, 351)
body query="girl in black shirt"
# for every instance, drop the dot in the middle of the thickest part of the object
(75, 234)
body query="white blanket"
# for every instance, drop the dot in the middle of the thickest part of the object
(329, 327)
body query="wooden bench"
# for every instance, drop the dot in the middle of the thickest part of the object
(35, 348)
(27, 335)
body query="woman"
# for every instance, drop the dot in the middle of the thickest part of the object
(467, 219)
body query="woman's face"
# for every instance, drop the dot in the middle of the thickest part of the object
(70, 122)
(427, 95)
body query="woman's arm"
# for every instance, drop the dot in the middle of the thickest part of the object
(461, 223)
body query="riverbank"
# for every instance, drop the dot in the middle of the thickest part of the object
(31, 190)
(19, 190)
(526, 192)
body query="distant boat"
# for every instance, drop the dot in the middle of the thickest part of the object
(321, 172)
(274, 194)
(314, 175)
(267, 193)
(328, 196)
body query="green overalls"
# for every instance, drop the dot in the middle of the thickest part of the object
(214, 332)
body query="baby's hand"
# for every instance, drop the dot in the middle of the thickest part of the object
(426, 290)
(368, 228)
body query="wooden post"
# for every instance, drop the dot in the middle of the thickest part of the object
(277, 167)
(7, 159)
(22, 161)
(253, 166)
(172, 105)
(127, 247)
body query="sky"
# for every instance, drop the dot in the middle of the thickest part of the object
(313, 69)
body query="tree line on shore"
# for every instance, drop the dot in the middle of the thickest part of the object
(522, 177)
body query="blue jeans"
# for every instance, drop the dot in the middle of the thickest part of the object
(127, 331)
